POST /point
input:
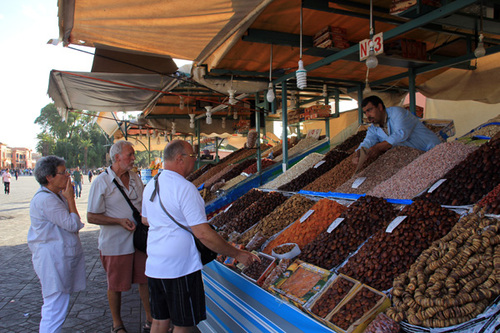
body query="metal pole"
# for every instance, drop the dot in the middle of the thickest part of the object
(411, 88)
(257, 127)
(284, 123)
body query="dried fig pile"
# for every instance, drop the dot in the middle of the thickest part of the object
(237, 207)
(361, 219)
(335, 293)
(454, 280)
(385, 255)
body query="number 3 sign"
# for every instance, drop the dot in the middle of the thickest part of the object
(378, 46)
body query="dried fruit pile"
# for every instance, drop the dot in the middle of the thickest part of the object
(454, 280)
(256, 269)
(298, 148)
(332, 296)
(325, 212)
(470, 180)
(295, 171)
(363, 301)
(385, 255)
(382, 169)
(361, 220)
(265, 162)
(331, 159)
(280, 218)
(490, 204)
(237, 207)
(423, 171)
(351, 143)
(254, 213)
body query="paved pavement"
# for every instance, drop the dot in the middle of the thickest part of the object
(20, 293)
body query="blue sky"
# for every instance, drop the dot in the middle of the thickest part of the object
(26, 62)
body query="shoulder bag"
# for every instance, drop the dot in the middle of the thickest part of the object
(141, 230)
(207, 255)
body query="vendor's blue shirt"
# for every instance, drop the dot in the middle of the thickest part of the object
(404, 130)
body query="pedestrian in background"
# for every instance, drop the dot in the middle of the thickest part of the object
(53, 239)
(90, 175)
(77, 178)
(6, 177)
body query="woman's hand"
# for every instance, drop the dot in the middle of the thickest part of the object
(68, 192)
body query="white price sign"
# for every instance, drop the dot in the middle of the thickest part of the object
(318, 164)
(436, 185)
(394, 224)
(378, 46)
(225, 210)
(306, 215)
(314, 133)
(335, 224)
(358, 182)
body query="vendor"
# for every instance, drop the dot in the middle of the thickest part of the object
(392, 126)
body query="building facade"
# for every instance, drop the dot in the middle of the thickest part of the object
(15, 158)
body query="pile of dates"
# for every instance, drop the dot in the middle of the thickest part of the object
(490, 204)
(330, 160)
(470, 180)
(255, 212)
(363, 301)
(237, 207)
(332, 296)
(256, 269)
(386, 255)
(352, 142)
(361, 220)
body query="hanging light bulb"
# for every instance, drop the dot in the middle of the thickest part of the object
(301, 75)
(208, 114)
(270, 93)
(181, 102)
(232, 100)
(140, 132)
(371, 61)
(367, 89)
(480, 51)
(223, 125)
(191, 121)
(325, 91)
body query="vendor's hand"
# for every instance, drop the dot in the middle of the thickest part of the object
(378, 149)
(246, 258)
(68, 192)
(127, 224)
(355, 158)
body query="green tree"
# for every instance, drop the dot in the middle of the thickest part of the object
(79, 140)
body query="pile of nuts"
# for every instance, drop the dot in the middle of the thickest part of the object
(298, 148)
(280, 218)
(424, 171)
(454, 280)
(197, 173)
(470, 180)
(325, 211)
(240, 166)
(351, 143)
(237, 207)
(385, 255)
(490, 204)
(256, 269)
(332, 296)
(363, 301)
(295, 171)
(219, 176)
(282, 249)
(265, 162)
(253, 213)
(361, 219)
(382, 169)
(331, 159)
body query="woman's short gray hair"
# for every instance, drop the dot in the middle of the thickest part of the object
(47, 166)
(117, 148)
(174, 148)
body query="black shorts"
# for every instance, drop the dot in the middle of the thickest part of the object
(181, 299)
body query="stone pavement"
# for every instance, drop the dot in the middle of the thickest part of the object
(20, 292)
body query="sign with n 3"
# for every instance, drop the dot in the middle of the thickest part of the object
(378, 46)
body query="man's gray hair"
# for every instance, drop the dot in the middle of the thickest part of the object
(117, 148)
(174, 148)
(47, 166)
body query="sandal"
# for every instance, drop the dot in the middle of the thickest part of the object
(146, 328)
(119, 328)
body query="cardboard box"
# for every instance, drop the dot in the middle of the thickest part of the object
(300, 282)
(444, 128)
(359, 324)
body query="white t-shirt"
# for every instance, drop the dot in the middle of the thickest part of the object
(172, 252)
(105, 198)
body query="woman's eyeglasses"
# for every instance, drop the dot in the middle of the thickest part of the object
(190, 155)
(64, 173)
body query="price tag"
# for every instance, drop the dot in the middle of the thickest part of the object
(335, 224)
(225, 210)
(306, 215)
(394, 224)
(436, 185)
(358, 182)
(245, 174)
(319, 163)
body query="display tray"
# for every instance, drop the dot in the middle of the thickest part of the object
(258, 272)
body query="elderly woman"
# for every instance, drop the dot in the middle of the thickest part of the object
(54, 242)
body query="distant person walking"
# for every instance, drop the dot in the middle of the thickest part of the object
(77, 178)
(6, 177)
(90, 176)
(53, 239)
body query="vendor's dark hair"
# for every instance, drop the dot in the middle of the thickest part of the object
(47, 166)
(174, 148)
(375, 100)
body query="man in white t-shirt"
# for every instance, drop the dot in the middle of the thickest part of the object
(174, 266)
(108, 208)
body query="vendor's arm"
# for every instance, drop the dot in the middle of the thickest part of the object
(102, 219)
(211, 239)
(401, 124)
(378, 149)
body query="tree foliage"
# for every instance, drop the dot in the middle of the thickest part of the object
(79, 140)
